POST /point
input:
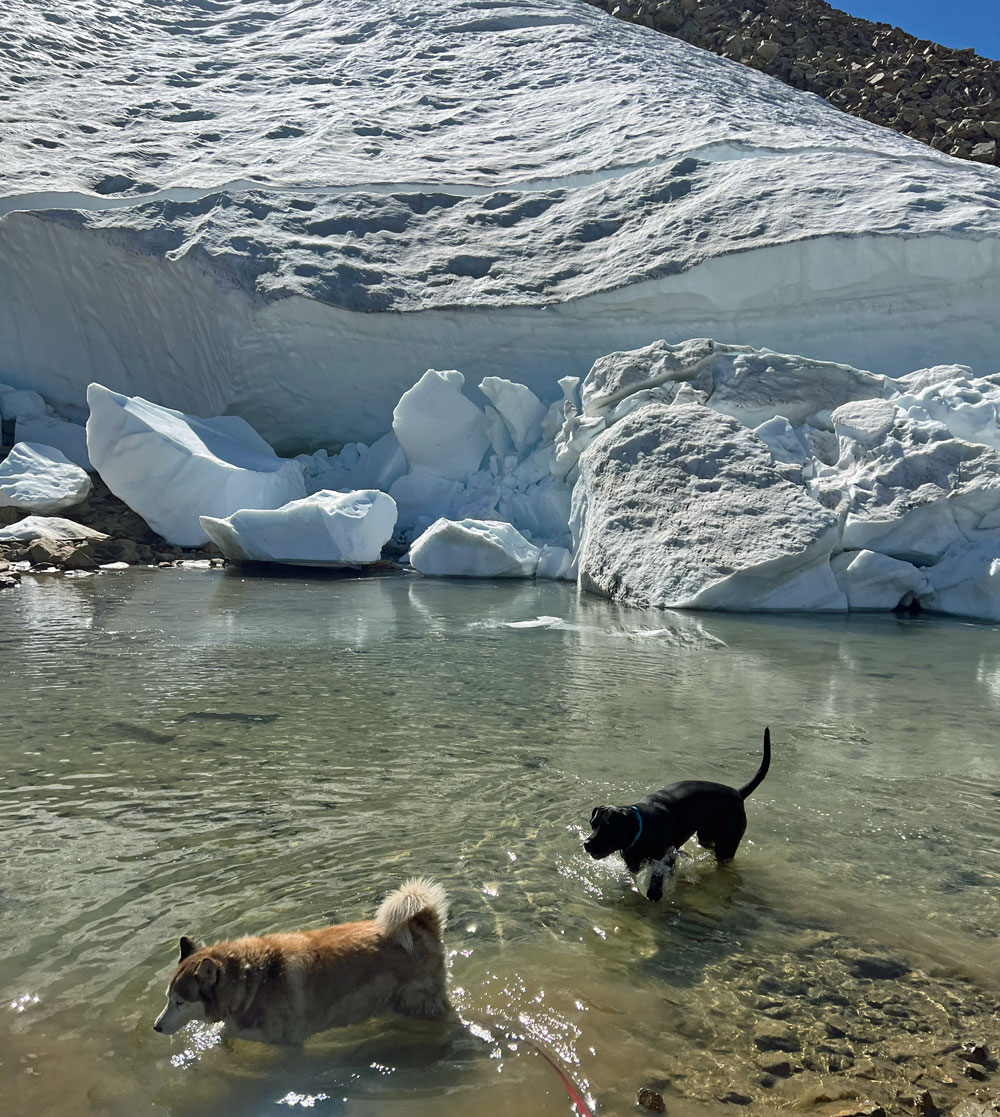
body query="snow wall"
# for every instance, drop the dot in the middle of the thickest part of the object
(289, 215)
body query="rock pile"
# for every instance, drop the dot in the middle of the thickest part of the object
(832, 1027)
(949, 99)
(98, 530)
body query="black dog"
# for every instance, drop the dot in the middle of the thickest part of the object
(657, 826)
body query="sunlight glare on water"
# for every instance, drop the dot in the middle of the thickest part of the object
(212, 753)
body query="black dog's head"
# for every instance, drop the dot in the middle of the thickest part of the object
(613, 828)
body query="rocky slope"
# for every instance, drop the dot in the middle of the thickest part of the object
(945, 98)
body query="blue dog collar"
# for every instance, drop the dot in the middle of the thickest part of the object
(639, 832)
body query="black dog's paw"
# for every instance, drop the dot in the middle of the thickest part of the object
(655, 893)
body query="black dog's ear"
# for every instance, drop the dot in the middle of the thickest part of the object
(188, 946)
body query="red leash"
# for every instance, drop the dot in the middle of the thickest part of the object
(573, 1092)
(579, 1104)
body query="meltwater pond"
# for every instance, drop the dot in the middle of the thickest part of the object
(209, 753)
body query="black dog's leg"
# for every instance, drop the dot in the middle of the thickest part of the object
(728, 839)
(655, 890)
(660, 870)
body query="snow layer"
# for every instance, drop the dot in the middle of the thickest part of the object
(41, 479)
(324, 529)
(172, 468)
(226, 207)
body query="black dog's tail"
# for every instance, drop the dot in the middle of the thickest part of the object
(747, 788)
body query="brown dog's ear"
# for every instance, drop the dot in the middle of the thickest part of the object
(188, 946)
(207, 973)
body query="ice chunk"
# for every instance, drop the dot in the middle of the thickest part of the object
(497, 433)
(862, 425)
(172, 468)
(556, 562)
(922, 378)
(904, 486)
(70, 438)
(52, 528)
(20, 403)
(966, 582)
(539, 510)
(681, 507)
(324, 529)
(873, 581)
(422, 497)
(474, 549)
(41, 479)
(968, 406)
(357, 466)
(521, 410)
(438, 428)
(779, 436)
(383, 464)
(617, 376)
(578, 431)
(752, 385)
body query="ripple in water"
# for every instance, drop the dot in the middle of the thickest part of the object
(200, 753)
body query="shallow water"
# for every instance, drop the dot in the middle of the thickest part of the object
(204, 752)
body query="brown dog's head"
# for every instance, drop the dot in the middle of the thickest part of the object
(191, 988)
(613, 828)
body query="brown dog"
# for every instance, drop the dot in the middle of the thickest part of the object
(282, 988)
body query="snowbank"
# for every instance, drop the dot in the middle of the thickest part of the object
(273, 251)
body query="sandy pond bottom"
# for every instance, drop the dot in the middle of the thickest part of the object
(210, 753)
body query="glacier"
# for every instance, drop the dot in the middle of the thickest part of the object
(290, 212)
(572, 298)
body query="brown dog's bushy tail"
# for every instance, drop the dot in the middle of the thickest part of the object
(418, 902)
(747, 788)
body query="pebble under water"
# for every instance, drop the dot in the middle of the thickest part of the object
(212, 753)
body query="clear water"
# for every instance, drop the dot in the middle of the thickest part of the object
(203, 752)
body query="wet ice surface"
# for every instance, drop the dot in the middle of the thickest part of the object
(196, 752)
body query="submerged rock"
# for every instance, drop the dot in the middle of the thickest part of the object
(650, 1100)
